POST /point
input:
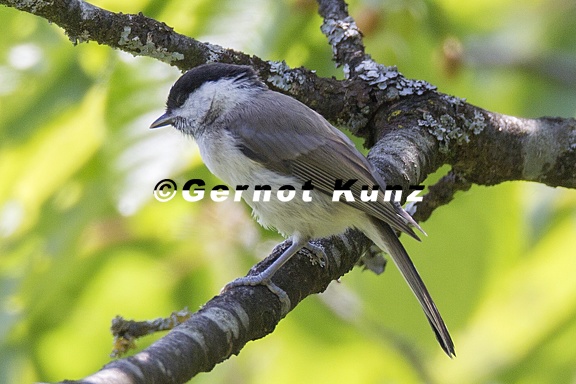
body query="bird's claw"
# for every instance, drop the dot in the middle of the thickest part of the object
(258, 279)
(316, 254)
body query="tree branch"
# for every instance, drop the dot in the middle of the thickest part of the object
(412, 129)
(141, 36)
(227, 322)
(343, 35)
(377, 102)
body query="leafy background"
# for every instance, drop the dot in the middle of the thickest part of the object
(82, 239)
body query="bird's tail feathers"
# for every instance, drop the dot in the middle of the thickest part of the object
(386, 239)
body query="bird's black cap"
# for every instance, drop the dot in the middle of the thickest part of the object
(194, 78)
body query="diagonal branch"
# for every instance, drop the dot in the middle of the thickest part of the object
(227, 322)
(135, 34)
(142, 36)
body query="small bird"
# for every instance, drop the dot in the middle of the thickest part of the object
(250, 135)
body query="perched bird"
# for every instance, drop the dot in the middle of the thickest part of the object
(250, 135)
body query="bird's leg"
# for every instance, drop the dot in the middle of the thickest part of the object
(265, 277)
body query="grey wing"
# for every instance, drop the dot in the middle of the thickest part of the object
(289, 138)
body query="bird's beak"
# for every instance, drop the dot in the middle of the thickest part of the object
(165, 119)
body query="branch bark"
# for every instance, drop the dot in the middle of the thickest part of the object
(375, 102)
(227, 322)
(412, 128)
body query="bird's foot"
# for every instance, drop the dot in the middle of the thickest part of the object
(316, 254)
(262, 279)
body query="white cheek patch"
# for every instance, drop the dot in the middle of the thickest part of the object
(197, 105)
(208, 102)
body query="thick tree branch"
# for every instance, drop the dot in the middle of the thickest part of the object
(412, 129)
(420, 134)
(378, 102)
(228, 321)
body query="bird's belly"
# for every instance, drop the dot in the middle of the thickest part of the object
(319, 217)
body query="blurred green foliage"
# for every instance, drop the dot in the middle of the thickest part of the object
(82, 239)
